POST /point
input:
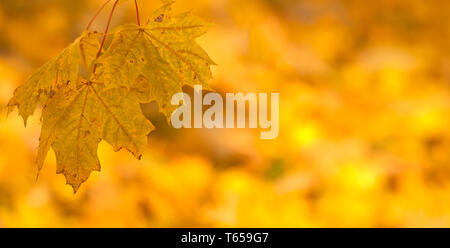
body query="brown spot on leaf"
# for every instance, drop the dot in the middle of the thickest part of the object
(87, 133)
(159, 18)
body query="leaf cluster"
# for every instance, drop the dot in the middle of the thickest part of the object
(90, 93)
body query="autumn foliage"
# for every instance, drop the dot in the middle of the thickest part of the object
(364, 116)
(142, 64)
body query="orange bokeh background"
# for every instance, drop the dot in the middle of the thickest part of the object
(364, 121)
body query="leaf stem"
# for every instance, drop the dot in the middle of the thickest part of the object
(137, 13)
(106, 32)
(96, 14)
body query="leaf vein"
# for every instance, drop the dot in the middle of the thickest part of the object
(115, 118)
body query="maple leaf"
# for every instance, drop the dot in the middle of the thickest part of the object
(59, 72)
(164, 52)
(78, 119)
(143, 63)
(78, 114)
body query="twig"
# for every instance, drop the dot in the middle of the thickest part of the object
(96, 14)
(106, 32)
(137, 13)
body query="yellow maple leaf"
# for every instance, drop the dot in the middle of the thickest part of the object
(164, 52)
(143, 63)
(78, 119)
(59, 72)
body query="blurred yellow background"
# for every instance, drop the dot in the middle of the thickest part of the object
(364, 121)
